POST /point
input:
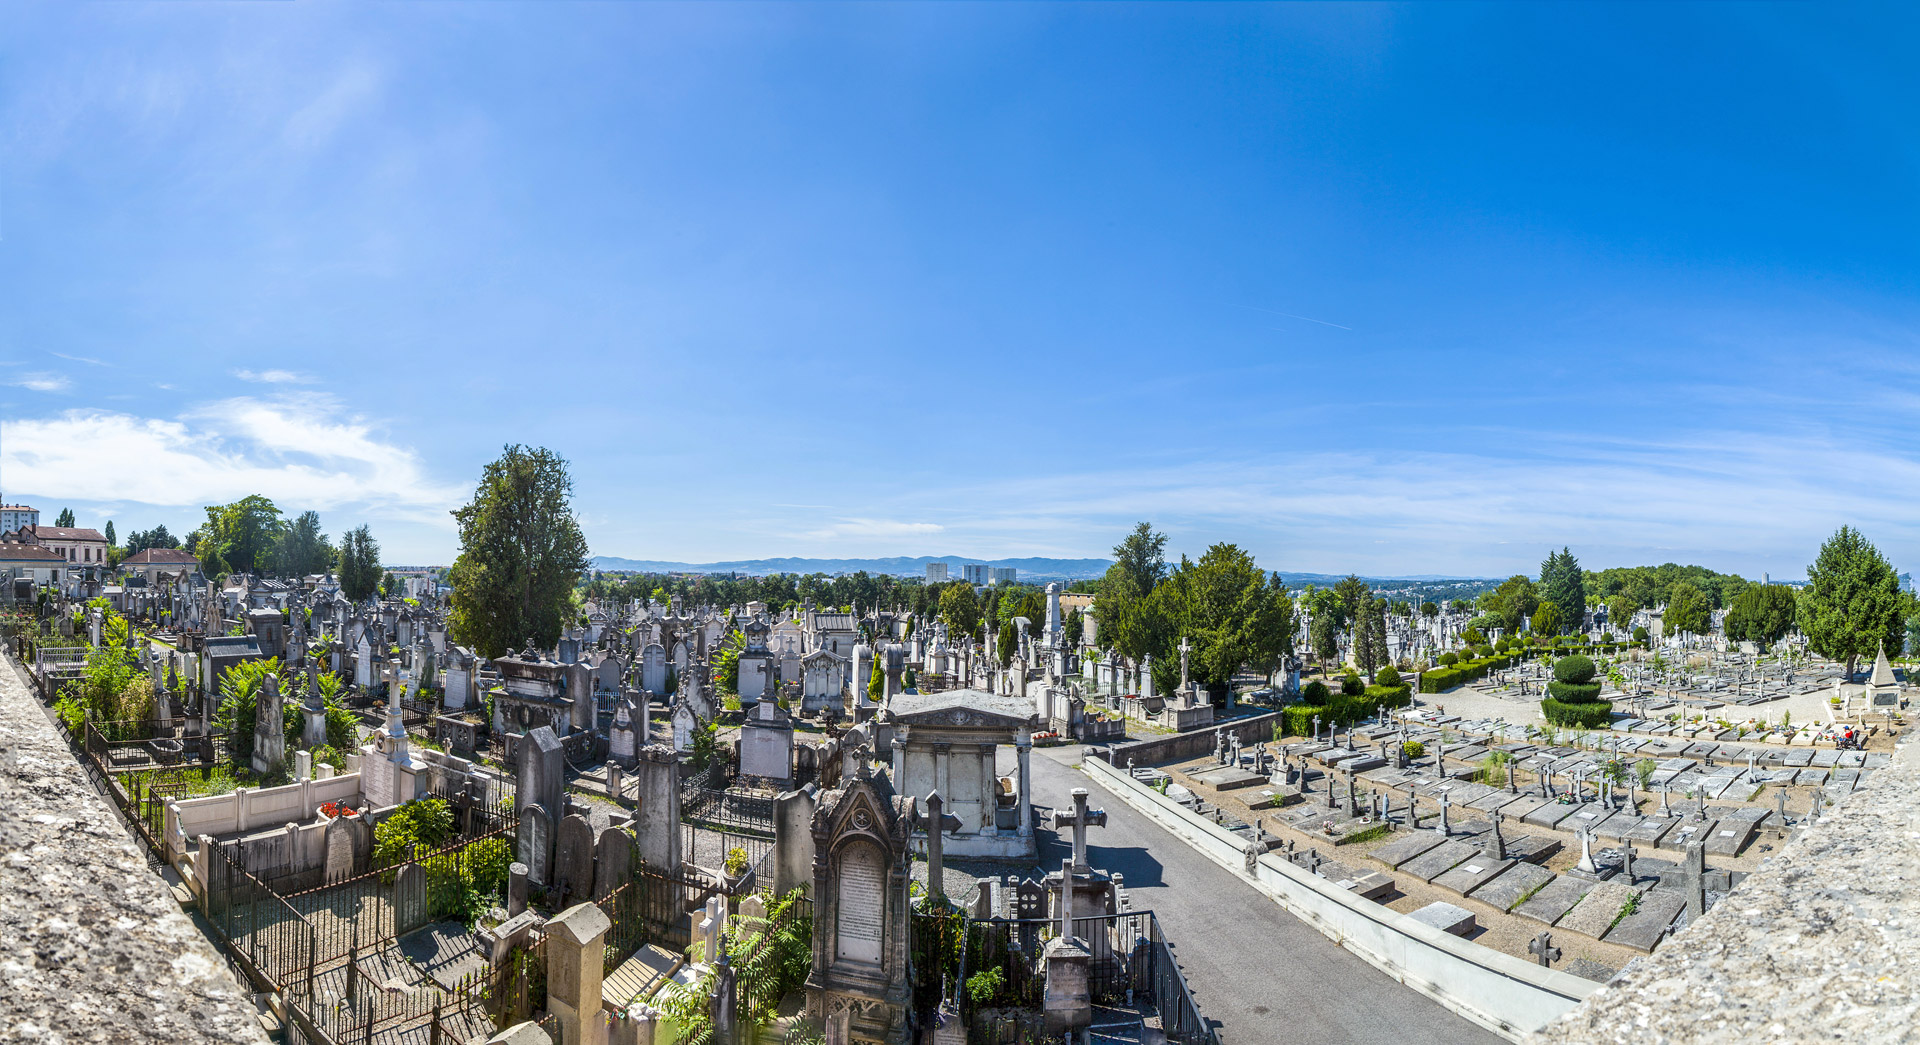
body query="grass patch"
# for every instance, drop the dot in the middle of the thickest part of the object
(1529, 893)
(1632, 905)
(1366, 835)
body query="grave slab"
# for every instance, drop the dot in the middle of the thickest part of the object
(1554, 899)
(1647, 925)
(1446, 917)
(1230, 779)
(1597, 912)
(1515, 882)
(1549, 815)
(1496, 800)
(1685, 833)
(1439, 860)
(1406, 848)
(1729, 837)
(1472, 873)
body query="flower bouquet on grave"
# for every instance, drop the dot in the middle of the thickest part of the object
(337, 810)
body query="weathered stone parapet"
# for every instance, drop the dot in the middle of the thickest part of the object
(97, 949)
(1821, 943)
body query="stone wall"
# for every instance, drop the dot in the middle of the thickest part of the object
(97, 949)
(1192, 744)
(1819, 944)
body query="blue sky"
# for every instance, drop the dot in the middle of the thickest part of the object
(1415, 289)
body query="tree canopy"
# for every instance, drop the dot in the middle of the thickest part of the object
(1132, 623)
(1852, 603)
(1563, 586)
(65, 518)
(521, 553)
(1762, 613)
(302, 549)
(1687, 610)
(1514, 601)
(1233, 612)
(960, 608)
(359, 564)
(239, 537)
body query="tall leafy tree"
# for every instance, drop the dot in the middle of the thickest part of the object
(960, 608)
(1234, 613)
(1073, 629)
(1353, 597)
(109, 534)
(1762, 613)
(302, 548)
(1132, 624)
(359, 564)
(1514, 601)
(1620, 610)
(65, 518)
(1546, 619)
(243, 533)
(521, 553)
(1687, 610)
(1564, 586)
(1852, 603)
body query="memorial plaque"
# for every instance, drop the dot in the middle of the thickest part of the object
(862, 905)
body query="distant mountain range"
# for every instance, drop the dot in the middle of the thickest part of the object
(1031, 569)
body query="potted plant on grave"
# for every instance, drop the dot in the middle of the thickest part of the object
(739, 872)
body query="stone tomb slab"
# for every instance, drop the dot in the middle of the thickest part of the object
(1549, 815)
(1729, 837)
(1554, 899)
(1496, 800)
(1520, 807)
(1597, 912)
(1401, 850)
(1230, 779)
(1472, 873)
(1685, 833)
(1532, 849)
(1652, 829)
(1513, 883)
(1618, 826)
(1647, 925)
(1446, 917)
(1439, 860)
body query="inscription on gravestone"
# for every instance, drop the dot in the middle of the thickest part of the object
(862, 904)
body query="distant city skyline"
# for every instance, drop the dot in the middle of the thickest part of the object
(1394, 290)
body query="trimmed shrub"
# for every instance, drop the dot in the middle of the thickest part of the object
(1483, 651)
(1575, 668)
(1639, 634)
(1574, 692)
(1594, 714)
(1314, 692)
(1352, 686)
(1387, 677)
(1448, 660)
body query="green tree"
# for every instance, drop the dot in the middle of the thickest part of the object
(1620, 610)
(1762, 613)
(1687, 610)
(388, 585)
(1564, 587)
(359, 564)
(1008, 644)
(1429, 609)
(110, 540)
(243, 533)
(521, 553)
(65, 518)
(1852, 603)
(960, 609)
(1353, 597)
(1132, 622)
(1514, 601)
(1234, 613)
(1546, 619)
(1073, 629)
(302, 549)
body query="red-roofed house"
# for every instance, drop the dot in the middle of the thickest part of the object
(152, 562)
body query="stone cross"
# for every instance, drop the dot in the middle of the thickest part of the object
(1444, 828)
(1542, 948)
(1353, 801)
(1586, 853)
(936, 824)
(1664, 791)
(1316, 727)
(710, 928)
(1696, 871)
(1066, 898)
(1080, 819)
(1413, 805)
(1626, 859)
(1780, 802)
(1185, 648)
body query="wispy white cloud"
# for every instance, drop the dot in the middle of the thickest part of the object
(273, 377)
(873, 528)
(303, 451)
(315, 124)
(80, 359)
(41, 381)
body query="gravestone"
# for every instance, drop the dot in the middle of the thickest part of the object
(612, 862)
(533, 845)
(269, 730)
(411, 908)
(860, 881)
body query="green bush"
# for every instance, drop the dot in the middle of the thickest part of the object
(1575, 668)
(1315, 692)
(1583, 715)
(485, 865)
(1448, 660)
(1483, 651)
(1574, 692)
(1351, 685)
(1387, 676)
(423, 824)
(1414, 748)
(1639, 634)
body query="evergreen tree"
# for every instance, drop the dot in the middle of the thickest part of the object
(110, 540)
(359, 564)
(1564, 586)
(1687, 610)
(65, 518)
(1852, 603)
(521, 553)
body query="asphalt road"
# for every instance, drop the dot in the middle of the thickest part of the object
(1262, 974)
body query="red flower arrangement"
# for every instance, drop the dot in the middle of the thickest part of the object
(336, 809)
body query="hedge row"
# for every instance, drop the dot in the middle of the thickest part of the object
(1593, 715)
(1438, 680)
(1343, 710)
